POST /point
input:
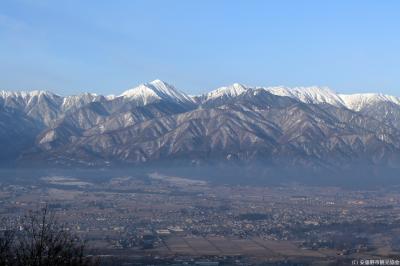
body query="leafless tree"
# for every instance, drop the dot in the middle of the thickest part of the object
(41, 241)
(7, 235)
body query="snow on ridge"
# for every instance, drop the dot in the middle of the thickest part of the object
(141, 93)
(233, 90)
(359, 100)
(111, 97)
(25, 94)
(313, 94)
(156, 90)
(79, 100)
(170, 90)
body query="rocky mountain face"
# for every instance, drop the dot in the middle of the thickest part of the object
(17, 133)
(309, 127)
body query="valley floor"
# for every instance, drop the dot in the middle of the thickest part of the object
(152, 217)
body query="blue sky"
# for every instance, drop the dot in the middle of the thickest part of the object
(109, 46)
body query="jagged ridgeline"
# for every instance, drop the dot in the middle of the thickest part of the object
(307, 127)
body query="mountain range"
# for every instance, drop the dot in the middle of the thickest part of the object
(309, 127)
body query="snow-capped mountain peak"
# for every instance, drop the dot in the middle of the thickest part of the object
(164, 89)
(233, 90)
(358, 101)
(313, 94)
(111, 97)
(142, 94)
(76, 101)
(25, 94)
(154, 91)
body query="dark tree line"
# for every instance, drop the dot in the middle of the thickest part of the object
(38, 239)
